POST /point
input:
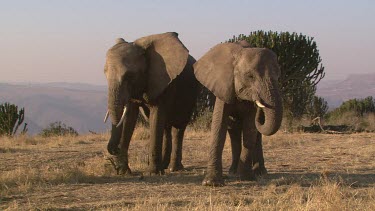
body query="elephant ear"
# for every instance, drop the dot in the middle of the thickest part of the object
(166, 57)
(215, 70)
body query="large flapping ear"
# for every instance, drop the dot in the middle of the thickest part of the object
(166, 57)
(215, 70)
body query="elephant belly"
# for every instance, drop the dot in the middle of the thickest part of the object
(185, 98)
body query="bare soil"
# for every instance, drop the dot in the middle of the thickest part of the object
(306, 172)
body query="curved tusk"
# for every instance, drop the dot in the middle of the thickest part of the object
(122, 117)
(144, 114)
(106, 116)
(259, 104)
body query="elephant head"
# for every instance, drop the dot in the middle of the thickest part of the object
(145, 66)
(233, 71)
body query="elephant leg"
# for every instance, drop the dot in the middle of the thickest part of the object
(249, 131)
(214, 176)
(120, 137)
(167, 147)
(259, 169)
(157, 125)
(177, 138)
(235, 140)
(127, 133)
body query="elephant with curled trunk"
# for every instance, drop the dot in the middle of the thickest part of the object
(154, 73)
(245, 83)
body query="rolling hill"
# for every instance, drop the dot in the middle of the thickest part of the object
(80, 106)
(354, 86)
(83, 106)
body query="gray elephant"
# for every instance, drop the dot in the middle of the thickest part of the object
(245, 83)
(156, 74)
(235, 133)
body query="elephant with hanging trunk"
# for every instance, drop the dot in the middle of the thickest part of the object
(245, 83)
(154, 73)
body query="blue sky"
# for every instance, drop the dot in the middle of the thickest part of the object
(66, 41)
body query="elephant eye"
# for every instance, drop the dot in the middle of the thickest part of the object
(251, 76)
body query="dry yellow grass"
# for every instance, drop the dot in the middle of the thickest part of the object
(306, 172)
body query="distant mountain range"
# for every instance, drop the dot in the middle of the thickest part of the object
(354, 86)
(83, 106)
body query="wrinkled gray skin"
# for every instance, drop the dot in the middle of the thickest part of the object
(235, 133)
(154, 73)
(239, 76)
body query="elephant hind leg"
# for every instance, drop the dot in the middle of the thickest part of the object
(176, 157)
(245, 165)
(235, 140)
(157, 126)
(167, 147)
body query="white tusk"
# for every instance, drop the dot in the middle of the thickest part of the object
(259, 104)
(122, 117)
(106, 116)
(144, 114)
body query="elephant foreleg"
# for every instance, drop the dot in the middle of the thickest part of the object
(260, 169)
(214, 176)
(127, 133)
(245, 165)
(177, 138)
(157, 125)
(235, 140)
(167, 147)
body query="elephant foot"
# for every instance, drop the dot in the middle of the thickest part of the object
(155, 171)
(176, 167)
(165, 164)
(247, 175)
(125, 170)
(213, 180)
(232, 170)
(261, 171)
(121, 166)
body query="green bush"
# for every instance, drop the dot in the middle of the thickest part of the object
(359, 113)
(357, 106)
(58, 129)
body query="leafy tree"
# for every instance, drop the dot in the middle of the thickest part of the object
(318, 107)
(296, 103)
(300, 65)
(58, 129)
(297, 54)
(205, 102)
(11, 118)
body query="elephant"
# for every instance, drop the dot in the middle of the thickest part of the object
(235, 133)
(154, 73)
(245, 83)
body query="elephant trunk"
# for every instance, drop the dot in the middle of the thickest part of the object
(116, 103)
(268, 118)
(117, 100)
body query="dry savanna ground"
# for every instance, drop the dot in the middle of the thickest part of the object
(306, 172)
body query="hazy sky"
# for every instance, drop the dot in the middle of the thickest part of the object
(66, 41)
